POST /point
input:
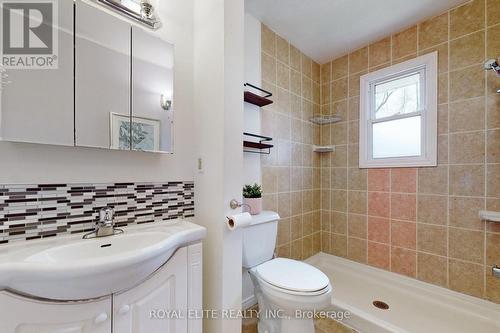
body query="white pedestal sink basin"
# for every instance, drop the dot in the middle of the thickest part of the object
(71, 268)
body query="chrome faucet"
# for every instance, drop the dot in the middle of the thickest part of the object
(496, 271)
(106, 222)
(105, 226)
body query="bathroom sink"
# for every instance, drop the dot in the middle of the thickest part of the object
(77, 269)
(94, 251)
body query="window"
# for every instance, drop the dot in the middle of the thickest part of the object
(398, 115)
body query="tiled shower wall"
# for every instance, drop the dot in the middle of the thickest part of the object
(30, 212)
(291, 173)
(421, 222)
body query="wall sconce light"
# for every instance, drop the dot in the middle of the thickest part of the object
(146, 9)
(165, 102)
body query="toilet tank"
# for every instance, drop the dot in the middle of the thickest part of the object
(259, 239)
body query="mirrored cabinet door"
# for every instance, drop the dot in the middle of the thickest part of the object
(102, 63)
(152, 92)
(37, 100)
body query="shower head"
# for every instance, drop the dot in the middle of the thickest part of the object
(492, 64)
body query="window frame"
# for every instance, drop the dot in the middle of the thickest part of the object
(426, 65)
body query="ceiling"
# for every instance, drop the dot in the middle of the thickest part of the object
(325, 29)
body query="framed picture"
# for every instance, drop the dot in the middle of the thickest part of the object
(140, 134)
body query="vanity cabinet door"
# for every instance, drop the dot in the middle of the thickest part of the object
(152, 92)
(36, 103)
(145, 308)
(102, 78)
(23, 315)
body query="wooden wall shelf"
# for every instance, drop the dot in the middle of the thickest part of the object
(261, 147)
(255, 99)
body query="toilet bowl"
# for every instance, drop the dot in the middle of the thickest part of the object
(289, 292)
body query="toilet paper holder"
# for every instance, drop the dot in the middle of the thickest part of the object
(236, 204)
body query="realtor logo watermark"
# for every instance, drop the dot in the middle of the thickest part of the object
(29, 36)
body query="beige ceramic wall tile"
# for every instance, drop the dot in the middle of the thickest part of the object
(493, 146)
(306, 66)
(493, 12)
(340, 67)
(467, 83)
(493, 42)
(467, 115)
(493, 184)
(356, 249)
(493, 111)
(492, 249)
(268, 68)
(326, 72)
(467, 147)
(467, 180)
(467, 18)
(432, 209)
(467, 50)
(283, 50)
(442, 51)
(268, 38)
(466, 245)
(433, 180)
(433, 31)
(357, 226)
(466, 277)
(358, 60)
(295, 58)
(380, 52)
(432, 239)
(463, 212)
(432, 269)
(404, 261)
(404, 43)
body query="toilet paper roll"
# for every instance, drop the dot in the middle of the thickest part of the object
(238, 221)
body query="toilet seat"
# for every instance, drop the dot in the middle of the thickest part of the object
(293, 277)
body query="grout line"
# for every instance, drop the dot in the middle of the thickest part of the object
(485, 145)
(448, 158)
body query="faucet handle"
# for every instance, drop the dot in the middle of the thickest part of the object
(106, 216)
(496, 271)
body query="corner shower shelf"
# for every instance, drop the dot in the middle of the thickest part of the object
(255, 99)
(323, 149)
(325, 120)
(260, 147)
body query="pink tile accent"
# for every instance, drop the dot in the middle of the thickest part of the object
(404, 180)
(379, 180)
(379, 255)
(404, 234)
(378, 204)
(404, 261)
(403, 206)
(378, 229)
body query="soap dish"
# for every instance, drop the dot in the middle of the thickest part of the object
(323, 149)
(489, 216)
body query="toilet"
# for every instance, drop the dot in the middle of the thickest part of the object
(287, 291)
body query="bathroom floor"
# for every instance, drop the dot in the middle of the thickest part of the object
(249, 325)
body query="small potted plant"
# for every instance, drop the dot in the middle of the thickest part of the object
(252, 199)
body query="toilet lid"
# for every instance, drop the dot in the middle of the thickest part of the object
(292, 275)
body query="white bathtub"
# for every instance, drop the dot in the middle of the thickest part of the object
(415, 307)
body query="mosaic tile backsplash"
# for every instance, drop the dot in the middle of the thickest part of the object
(46, 210)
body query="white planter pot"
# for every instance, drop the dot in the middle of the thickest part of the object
(252, 205)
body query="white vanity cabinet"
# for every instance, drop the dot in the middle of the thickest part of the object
(22, 315)
(160, 304)
(143, 308)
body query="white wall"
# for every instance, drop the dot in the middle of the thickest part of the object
(218, 97)
(252, 116)
(29, 163)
